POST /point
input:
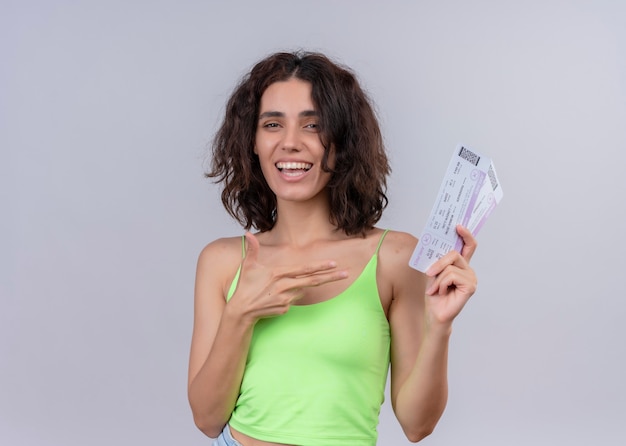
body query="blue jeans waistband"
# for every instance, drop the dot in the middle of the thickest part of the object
(226, 438)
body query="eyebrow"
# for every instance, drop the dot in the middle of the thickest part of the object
(277, 114)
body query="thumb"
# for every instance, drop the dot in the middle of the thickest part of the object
(469, 242)
(252, 252)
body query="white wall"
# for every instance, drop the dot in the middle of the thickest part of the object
(106, 110)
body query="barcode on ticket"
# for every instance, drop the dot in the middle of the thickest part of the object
(491, 173)
(469, 156)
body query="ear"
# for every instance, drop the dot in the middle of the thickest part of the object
(255, 150)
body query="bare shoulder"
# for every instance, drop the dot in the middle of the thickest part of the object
(398, 247)
(394, 273)
(218, 261)
(227, 246)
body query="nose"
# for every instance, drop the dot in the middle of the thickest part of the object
(291, 141)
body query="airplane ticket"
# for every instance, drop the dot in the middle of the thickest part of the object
(468, 194)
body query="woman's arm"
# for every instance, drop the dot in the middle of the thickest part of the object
(219, 342)
(421, 315)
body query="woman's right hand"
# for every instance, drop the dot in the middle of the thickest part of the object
(265, 291)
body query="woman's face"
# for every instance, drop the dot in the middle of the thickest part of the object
(288, 142)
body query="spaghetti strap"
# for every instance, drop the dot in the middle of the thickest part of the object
(233, 284)
(380, 242)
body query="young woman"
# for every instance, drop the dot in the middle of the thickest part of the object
(295, 326)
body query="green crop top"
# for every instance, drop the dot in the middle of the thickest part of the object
(316, 375)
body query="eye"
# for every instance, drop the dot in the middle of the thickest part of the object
(312, 126)
(271, 125)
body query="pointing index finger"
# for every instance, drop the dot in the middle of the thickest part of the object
(309, 270)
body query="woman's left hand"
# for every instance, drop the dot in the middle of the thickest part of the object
(451, 281)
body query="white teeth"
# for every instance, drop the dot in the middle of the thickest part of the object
(294, 166)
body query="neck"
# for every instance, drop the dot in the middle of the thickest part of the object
(299, 224)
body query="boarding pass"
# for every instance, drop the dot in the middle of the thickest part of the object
(468, 194)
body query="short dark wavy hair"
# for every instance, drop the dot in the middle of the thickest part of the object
(348, 124)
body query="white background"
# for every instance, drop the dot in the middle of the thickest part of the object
(106, 112)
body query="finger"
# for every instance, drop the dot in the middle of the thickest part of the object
(451, 258)
(306, 270)
(314, 280)
(440, 283)
(469, 242)
(463, 280)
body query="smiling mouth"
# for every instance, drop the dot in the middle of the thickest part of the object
(293, 168)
